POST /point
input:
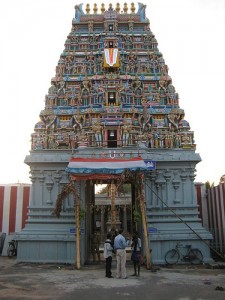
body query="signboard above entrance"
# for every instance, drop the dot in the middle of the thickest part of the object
(150, 164)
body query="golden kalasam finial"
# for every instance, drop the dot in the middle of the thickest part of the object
(102, 8)
(88, 8)
(132, 8)
(95, 9)
(125, 8)
(110, 6)
(117, 8)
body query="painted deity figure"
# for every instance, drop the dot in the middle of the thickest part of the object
(149, 123)
(50, 121)
(73, 141)
(125, 133)
(137, 85)
(52, 90)
(170, 139)
(77, 127)
(162, 84)
(167, 141)
(151, 140)
(97, 128)
(173, 120)
(185, 139)
(86, 85)
(61, 88)
(161, 138)
(156, 139)
(177, 141)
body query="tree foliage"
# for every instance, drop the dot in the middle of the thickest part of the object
(209, 185)
(222, 179)
(125, 189)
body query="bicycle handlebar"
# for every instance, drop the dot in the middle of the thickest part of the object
(180, 245)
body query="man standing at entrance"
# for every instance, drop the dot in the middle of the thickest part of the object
(108, 249)
(120, 249)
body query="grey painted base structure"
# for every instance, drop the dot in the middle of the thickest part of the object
(172, 212)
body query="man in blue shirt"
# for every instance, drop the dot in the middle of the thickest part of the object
(120, 249)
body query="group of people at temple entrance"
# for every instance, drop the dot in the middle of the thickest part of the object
(115, 244)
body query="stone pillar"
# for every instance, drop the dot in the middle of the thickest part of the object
(41, 178)
(62, 183)
(192, 178)
(176, 185)
(57, 177)
(183, 177)
(33, 179)
(113, 205)
(152, 177)
(167, 176)
(49, 185)
(102, 221)
(160, 183)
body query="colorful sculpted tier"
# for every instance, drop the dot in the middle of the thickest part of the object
(111, 88)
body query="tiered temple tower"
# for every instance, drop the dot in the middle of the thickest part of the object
(111, 96)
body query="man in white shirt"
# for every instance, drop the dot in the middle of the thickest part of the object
(108, 248)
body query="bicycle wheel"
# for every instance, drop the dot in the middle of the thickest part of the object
(172, 257)
(10, 251)
(196, 256)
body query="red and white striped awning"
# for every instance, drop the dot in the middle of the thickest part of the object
(80, 165)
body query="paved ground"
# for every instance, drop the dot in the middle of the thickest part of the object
(37, 281)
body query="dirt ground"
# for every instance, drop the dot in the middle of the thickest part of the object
(46, 281)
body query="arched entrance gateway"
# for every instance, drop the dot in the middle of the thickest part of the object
(111, 116)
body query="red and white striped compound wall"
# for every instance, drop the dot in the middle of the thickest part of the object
(212, 212)
(14, 202)
(216, 214)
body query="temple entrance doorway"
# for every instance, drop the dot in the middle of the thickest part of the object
(112, 138)
(108, 211)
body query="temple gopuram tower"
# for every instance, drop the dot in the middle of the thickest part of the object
(111, 116)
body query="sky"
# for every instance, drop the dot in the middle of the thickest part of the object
(190, 35)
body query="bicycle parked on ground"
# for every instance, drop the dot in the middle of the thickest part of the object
(192, 255)
(12, 248)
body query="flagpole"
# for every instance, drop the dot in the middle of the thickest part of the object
(113, 206)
